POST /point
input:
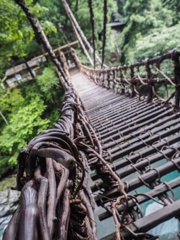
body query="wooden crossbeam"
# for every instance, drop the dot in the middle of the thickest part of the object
(57, 49)
(148, 177)
(158, 190)
(152, 220)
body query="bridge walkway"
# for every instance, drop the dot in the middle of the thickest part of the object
(141, 142)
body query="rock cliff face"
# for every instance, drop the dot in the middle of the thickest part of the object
(8, 202)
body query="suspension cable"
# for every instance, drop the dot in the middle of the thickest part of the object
(93, 30)
(73, 19)
(82, 44)
(77, 4)
(43, 41)
(77, 33)
(104, 32)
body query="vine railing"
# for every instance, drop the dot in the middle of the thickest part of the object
(55, 202)
(157, 77)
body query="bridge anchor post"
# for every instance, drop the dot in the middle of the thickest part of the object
(176, 63)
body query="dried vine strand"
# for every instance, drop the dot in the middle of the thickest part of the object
(93, 30)
(83, 37)
(114, 175)
(165, 76)
(104, 32)
(42, 39)
(78, 36)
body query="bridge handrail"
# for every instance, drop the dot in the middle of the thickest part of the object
(52, 178)
(132, 80)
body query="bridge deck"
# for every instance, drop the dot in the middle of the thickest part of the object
(141, 141)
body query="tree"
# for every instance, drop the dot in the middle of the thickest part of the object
(28, 108)
(174, 5)
(146, 18)
(17, 37)
(159, 41)
(23, 125)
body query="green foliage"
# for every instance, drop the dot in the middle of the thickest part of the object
(11, 100)
(16, 35)
(51, 20)
(112, 49)
(159, 41)
(37, 10)
(82, 57)
(13, 31)
(23, 125)
(47, 82)
(48, 27)
(54, 114)
(151, 29)
(4, 166)
(29, 108)
(174, 5)
(136, 7)
(83, 18)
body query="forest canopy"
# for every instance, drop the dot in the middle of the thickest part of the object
(146, 23)
(150, 28)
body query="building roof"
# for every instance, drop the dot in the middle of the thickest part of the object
(118, 26)
(23, 66)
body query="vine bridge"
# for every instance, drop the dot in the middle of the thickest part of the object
(115, 148)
